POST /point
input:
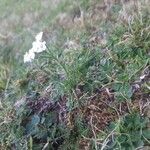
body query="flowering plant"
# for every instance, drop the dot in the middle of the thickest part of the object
(38, 46)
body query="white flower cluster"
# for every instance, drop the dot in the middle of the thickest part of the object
(37, 46)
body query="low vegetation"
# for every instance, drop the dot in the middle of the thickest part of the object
(89, 90)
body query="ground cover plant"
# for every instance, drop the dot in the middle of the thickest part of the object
(74, 75)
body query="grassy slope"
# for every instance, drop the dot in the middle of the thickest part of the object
(85, 92)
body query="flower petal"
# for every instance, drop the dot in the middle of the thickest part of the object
(39, 36)
(38, 46)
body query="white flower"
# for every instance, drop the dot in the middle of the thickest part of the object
(31, 51)
(29, 56)
(39, 36)
(38, 46)
(26, 57)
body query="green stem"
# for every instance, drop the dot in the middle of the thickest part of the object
(56, 59)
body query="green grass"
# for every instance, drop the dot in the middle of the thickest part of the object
(42, 104)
